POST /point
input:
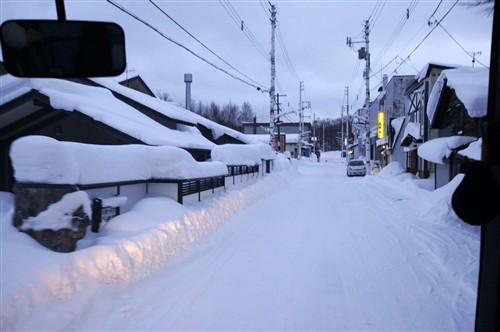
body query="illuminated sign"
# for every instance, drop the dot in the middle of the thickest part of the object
(380, 132)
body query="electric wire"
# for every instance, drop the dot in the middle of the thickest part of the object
(286, 55)
(396, 31)
(180, 45)
(201, 43)
(426, 36)
(244, 28)
(377, 14)
(461, 47)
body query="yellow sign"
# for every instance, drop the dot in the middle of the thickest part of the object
(380, 132)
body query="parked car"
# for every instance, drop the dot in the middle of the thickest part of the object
(356, 167)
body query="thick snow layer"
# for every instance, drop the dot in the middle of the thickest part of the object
(394, 168)
(474, 150)
(173, 111)
(397, 125)
(470, 85)
(56, 216)
(46, 160)
(413, 129)
(437, 149)
(372, 253)
(100, 104)
(237, 154)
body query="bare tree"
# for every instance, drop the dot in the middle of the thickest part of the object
(163, 95)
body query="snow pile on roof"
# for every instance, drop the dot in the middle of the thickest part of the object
(413, 129)
(237, 154)
(101, 105)
(397, 124)
(437, 149)
(243, 154)
(473, 151)
(266, 152)
(173, 111)
(45, 160)
(425, 71)
(470, 85)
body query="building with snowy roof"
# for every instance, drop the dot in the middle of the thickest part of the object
(102, 112)
(416, 126)
(457, 102)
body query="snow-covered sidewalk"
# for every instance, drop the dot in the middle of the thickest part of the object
(303, 249)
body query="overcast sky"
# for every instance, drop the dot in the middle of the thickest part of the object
(313, 33)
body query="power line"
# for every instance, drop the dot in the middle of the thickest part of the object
(286, 55)
(426, 36)
(377, 13)
(180, 45)
(202, 44)
(397, 31)
(244, 28)
(463, 49)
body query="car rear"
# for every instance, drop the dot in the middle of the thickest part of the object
(356, 167)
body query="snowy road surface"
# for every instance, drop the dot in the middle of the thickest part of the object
(322, 252)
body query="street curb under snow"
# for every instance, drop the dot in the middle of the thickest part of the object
(129, 259)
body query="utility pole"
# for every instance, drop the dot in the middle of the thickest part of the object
(301, 125)
(272, 92)
(474, 57)
(364, 54)
(342, 146)
(367, 65)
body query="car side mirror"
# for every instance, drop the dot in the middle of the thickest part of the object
(62, 49)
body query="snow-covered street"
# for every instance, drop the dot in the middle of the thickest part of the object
(311, 250)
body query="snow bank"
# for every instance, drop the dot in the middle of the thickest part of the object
(45, 160)
(282, 162)
(393, 169)
(437, 149)
(131, 247)
(470, 85)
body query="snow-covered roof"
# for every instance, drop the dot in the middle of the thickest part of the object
(41, 159)
(100, 104)
(437, 149)
(413, 129)
(425, 71)
(470, 85)
(173, 110)
(397, 124)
